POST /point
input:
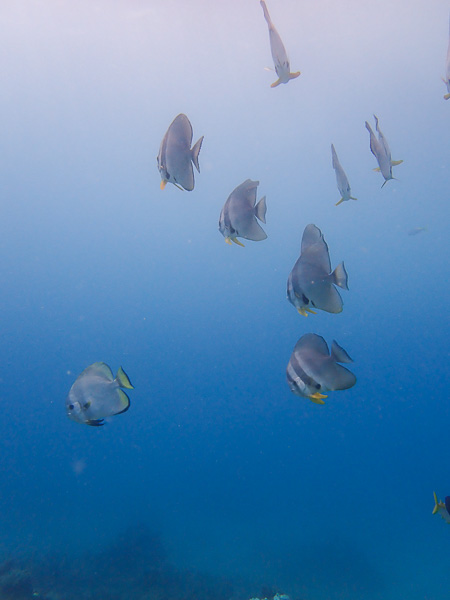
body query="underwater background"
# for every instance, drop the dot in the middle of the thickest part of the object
(218, 476)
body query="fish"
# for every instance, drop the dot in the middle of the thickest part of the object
(176, 156)
(239, 214)
(442, 508)
(341, 179)
(417, 230)
(380, 149)
(96, 395)
(312, 369)
(279, 55)
(446, 79)
(311, 283)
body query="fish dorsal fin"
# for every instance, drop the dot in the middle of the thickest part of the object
(339, 354)
(261, 209)
(311, 343)
(248, 189)
(195, 152)
(311, 235)
(334, 158)
(100, 369)
(315, 249)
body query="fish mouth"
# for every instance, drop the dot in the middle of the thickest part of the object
(163, 184)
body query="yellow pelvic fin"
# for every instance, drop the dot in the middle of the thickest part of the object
(228, 241)
(394, 163)
(294, 75)
(447, 97)
(236, 241)
(302, 312)
(377, 169)
(317, 398)
(123, 379)
(310, 311)
(275, 83)
(436, 504)
(163, 183)
(340, 202)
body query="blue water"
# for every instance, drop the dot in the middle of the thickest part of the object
(239, 479)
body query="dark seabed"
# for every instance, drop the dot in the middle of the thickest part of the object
(219, 483)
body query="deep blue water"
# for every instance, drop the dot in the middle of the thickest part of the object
(240, 479)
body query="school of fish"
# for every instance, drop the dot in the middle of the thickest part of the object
(312, 285)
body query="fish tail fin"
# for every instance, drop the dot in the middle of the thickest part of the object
(436, 504)
(394, 163)
(260, 209)
(339, 276)
(338, 353)
(275, 83)
(294, 75)
(123, 379)
(340, 202)
(447, 97)
(196, 151)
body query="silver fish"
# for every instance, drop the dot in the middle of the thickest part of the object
(239, 214)
(176, 156)
(417, 230)
(380, 149)
(441, 508)
(96, 395)
(312, 369)
(279, 56)
(341, 179)
(311, 283)
(446, 79)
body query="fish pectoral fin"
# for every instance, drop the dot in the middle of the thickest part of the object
(313, 312)
(340, 202)
(302, 311)
(163, 184)
(275, 83)
(394, 163)
(377, 169)
(236, 241)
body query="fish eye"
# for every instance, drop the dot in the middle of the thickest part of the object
(71, 406)
(305, 299)
(318, 386)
